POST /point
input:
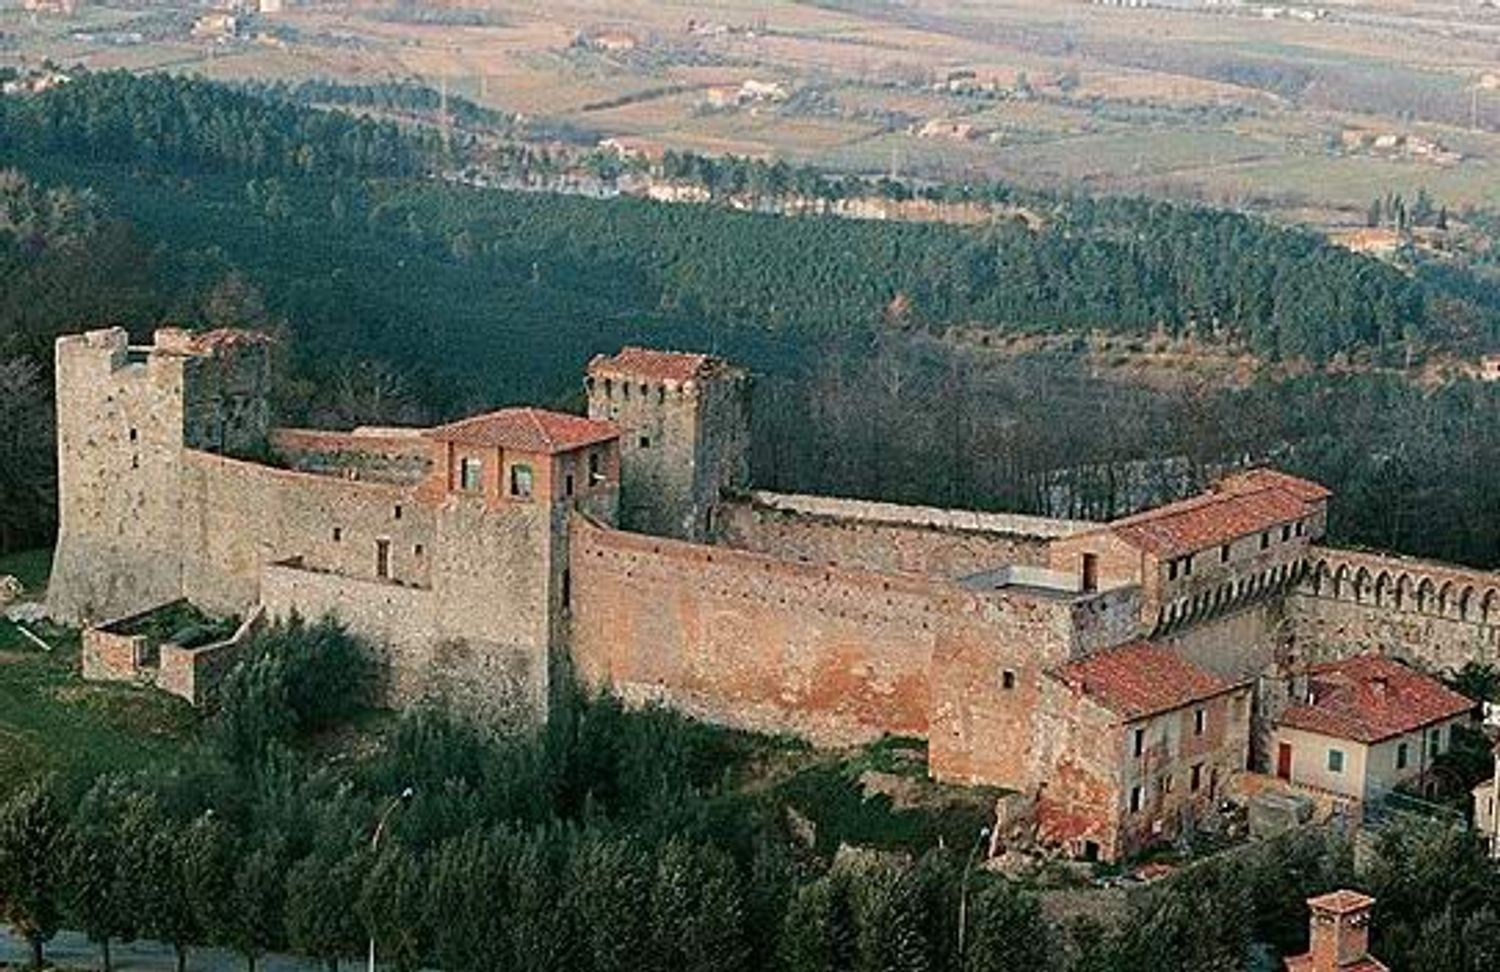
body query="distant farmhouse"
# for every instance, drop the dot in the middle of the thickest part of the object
(1117, 677)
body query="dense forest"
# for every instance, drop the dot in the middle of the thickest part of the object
(615, 841)
(399, 297)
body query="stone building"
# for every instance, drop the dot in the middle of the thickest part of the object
(1115, 675)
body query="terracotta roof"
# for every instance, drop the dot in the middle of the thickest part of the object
(526, 430)
(1341, 902)
(1207, 520)
(1370, 698)
(1304, 963)
(1264, 477)
(1141, 679)
(633, 362)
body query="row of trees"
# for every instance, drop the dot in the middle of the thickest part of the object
(613, 841)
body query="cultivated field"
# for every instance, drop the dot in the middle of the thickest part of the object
(1307, 112)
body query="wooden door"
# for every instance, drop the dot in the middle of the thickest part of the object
(1284, 761)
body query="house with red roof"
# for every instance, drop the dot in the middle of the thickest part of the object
(1243, 541)
(1363, 726)
(524, 455)
(1139, 744)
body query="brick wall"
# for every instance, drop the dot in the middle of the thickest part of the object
(886, 536)
(834, 655)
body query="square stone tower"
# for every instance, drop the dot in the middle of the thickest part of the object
(684, 424)
(124, 415)
(1339, 935)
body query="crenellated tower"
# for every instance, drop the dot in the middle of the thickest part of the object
(684, 424)
(124, 416)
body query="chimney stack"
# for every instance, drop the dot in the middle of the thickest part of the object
(1339, 935)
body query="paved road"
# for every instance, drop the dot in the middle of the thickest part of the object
(71, 950)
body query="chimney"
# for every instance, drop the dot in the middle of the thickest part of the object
(1339, 934)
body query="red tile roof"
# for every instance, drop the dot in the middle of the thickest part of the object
(1240, 505)
(526, 430)
(1341, 902)
(1304, 963)
(1371, 698)
(1264, 477)
(1208, 520)
(1141, 679)
(633, 362)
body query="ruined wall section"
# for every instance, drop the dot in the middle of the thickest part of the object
(1438, 616)
(886, 536)
(119, 438)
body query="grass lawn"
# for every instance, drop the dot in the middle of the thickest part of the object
(52, 722)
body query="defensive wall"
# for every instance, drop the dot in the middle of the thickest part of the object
(834, 654)
(1437, 615)
(886, 536)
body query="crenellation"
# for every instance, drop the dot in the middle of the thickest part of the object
(482, 556)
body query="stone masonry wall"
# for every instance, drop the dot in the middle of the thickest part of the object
(992, 652)
(1438, 616)
(237, 516)
(119, 436)
(886, 536)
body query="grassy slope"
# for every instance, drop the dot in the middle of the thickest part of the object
(50, 721)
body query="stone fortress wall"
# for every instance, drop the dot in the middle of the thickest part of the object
(650, 563)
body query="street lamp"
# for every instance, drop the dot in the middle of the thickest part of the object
(963, 889)
(406, 795)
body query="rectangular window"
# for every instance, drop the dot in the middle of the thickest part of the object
(338, 534)
(1008, 680)
(470, 474)
(520, 481)
(568, 484)
(1171, 570)
(396, 514)
(645, 442)
(1435, 742)
(1200, 721)
(1403, 754)
(1164, 783)
(417, 550)
(1195, 780)
(1265, 540)
(1301, 528)
(1286, 532)
(1335, 761)
(134, 435)
(596, 475)
(1140, 742)
(1224, 554)
(1135, 799)
(383, 559)
(1187, 566)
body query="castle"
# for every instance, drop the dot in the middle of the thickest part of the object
(1115, 674)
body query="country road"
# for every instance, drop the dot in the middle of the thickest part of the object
(71, 950)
